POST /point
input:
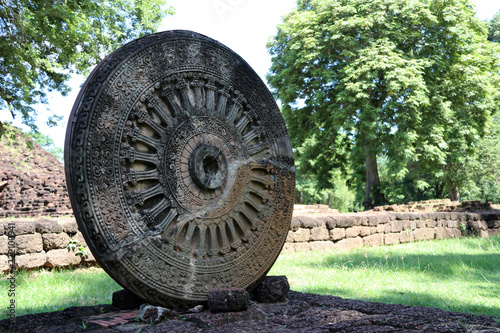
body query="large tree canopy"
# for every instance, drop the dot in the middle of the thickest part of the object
(412, 81)
(494, 28)
(43, 41)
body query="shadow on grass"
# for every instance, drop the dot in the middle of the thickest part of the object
(412, 299)
(483, 266)
(478, 271)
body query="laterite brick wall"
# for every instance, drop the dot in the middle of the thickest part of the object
(42, 242)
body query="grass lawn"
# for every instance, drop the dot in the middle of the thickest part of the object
(455, 275)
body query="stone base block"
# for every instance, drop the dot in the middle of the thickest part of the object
(273, 289)
(228, 300)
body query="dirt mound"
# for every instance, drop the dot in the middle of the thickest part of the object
(32, 181)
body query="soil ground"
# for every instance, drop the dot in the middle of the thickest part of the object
(300, 313)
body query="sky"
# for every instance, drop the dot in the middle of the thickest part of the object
(244, 26)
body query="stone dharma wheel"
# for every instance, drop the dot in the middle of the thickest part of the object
(180, 169)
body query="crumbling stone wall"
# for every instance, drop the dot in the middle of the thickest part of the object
(41, 243)
(32, 181)
(348, 231)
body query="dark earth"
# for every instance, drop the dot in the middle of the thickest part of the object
(299, 313)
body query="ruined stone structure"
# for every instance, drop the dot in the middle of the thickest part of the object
(43, 242)
(180, 169)
(32, 181)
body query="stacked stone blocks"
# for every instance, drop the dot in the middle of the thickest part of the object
(348, 231)
(42, 243)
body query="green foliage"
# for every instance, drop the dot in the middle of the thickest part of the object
(80, 250)
(494, 28)
(413, 82)
(339, 196)
(42, 42)
(484, 176)
(47, 143)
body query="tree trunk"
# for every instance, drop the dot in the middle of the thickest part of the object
(453, 190)
(301, 198)
(329, 200)
(373, 196)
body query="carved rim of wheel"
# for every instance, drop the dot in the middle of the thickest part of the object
(179, 168)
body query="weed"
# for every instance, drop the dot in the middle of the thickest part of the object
(80, 250)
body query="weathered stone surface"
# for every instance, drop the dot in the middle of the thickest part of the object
(424, 234)
(352, 232)
(330, 222)
(397, 226)
(373, 240)
(69, 226)
(301, 235)
(478, 225)
(364, 231)
(288, 248)
(273, 289)
(31, 260)
(337, 234)
(302, 247)
(406, 236)
(346, 221)
(4, 244)
(319, 233)
(430, 223)
(32, 178)
(154, 314)
(493, 224)
(321, 246)
(44, 226)
(390, 239)
(191, 157)
(453, 232)
(61, 257)
(228, 300)
(4, 263)
(55, 241)
(308, 221)
(23, 227)
(440, 232)
(125, 300)
(29, 243)
(294, 224)
(350, 243)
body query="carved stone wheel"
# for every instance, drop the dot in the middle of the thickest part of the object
(180, 169)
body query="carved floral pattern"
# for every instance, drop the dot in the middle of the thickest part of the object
(143, 114)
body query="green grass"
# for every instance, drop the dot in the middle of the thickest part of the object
(455, 275)
(47, 291)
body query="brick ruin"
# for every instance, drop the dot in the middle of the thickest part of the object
(32, 182)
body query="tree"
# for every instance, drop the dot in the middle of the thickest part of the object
(494, 28)
(364, 79)
(43, 41)
(47, 143)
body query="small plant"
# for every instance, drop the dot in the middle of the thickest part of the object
(80, 250)
(84, 325)
(463, 227)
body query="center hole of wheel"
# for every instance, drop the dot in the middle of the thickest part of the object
(208, 167)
